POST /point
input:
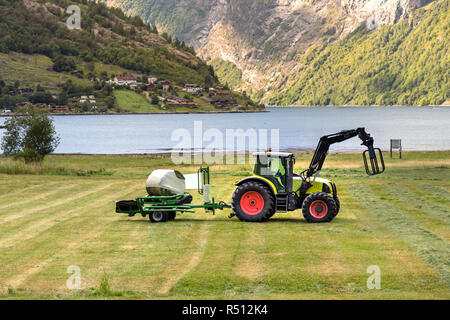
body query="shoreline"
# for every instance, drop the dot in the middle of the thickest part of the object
(220, 111)
(135, 113)
(168, 154)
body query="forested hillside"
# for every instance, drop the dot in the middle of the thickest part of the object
(44, 61)
(318, 52)
(106, 35)
(406, 64)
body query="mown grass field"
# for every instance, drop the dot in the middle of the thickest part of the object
(131, 101)
(62, 214)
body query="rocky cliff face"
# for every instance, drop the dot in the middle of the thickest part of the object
(265, 38)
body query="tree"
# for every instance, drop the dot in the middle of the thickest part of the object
(63, 64)
(41, 97)
(30, 137)
(155, 99)
(63, 98)
(109, 101)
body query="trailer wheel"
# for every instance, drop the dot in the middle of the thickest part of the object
(171, 215)
(158, 216)
(253, 202)
(319, 207)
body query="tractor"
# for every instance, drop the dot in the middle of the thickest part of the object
(275, 187)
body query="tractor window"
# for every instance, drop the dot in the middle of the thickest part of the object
(267, 166)
(273, 169)
(276, 166)
(261, 166)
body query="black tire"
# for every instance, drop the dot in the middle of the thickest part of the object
(338, 204)
(158, 216)
(171, 215)
(323, 205)
(261, 192)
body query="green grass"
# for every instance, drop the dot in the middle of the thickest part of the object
(131, 101)
(32, 70)
(49, 221)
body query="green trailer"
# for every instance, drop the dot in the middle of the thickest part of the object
(165, 208)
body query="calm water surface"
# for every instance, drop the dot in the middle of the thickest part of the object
(420, 128)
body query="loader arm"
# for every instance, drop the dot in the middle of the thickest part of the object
(324, 145)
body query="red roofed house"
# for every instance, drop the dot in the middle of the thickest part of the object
(151, 87)
(125, 80)
(165, 85)
(191, 105)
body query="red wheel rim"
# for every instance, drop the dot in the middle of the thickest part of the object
(252, 203)
(318, 209)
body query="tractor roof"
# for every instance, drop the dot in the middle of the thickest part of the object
(273, 154)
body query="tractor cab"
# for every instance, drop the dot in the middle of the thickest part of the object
(277, 167)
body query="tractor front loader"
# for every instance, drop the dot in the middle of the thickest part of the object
(275, 187)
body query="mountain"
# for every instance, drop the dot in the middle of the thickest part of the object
(272, 46)
(35, 43)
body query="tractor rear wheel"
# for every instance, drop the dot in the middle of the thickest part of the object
(319, 207)
(158, 216)
(253, 202)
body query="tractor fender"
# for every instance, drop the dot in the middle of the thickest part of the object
(321, 185)
(259, 179)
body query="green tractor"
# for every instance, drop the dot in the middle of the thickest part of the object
(275, 187)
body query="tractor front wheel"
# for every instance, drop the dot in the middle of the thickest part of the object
(319, 207)
(158, 216)
(253, 202)
(338, 204)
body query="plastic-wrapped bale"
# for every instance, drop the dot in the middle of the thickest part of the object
(165, 183)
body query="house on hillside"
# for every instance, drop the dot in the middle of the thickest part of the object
(152, 80)
(175, 104)
(219, 92)
(26, 91)
(171, 98)
(192, 88)
(222, 102)
(125, 81)
(60, 109)
(150, 87)
(165, 85)
(23, 104)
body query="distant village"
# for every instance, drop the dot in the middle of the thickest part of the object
(168, 96)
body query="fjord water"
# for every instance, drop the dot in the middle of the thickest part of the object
(420, 128)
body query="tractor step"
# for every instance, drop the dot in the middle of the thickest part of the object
(282, 203)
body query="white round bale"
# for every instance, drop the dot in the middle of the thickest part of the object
(163, 182)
